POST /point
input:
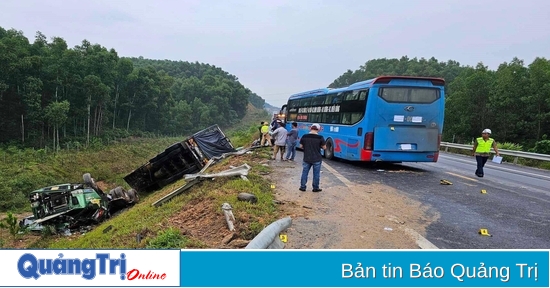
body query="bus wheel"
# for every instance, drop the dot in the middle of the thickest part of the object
(329, 152)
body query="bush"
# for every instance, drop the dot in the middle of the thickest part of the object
(542, 146)
(10, 223)
(509, 146)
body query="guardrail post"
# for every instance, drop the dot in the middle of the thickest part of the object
(446, 148)
(516, 160)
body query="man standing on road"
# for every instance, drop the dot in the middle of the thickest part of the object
(280, 138)
(292, 138)
(312, 143)
(482, 150)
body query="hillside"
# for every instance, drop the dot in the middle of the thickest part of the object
(514, 100)
(54, 96)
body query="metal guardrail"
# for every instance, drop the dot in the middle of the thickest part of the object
(515, 154)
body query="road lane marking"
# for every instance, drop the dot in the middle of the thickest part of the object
(499, 168)
(338, 175)
(422, 242)
(463, 177)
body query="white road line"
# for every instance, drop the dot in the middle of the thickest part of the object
(463, 177)
(338, 175)
(498, 168)
(422, 242)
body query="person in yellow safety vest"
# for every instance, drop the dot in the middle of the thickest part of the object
(265, 134)
(482, 150)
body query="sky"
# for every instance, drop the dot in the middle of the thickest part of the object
(280, 47)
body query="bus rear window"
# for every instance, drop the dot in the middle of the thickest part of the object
(409, 94)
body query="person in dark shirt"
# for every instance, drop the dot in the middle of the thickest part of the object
(312, 143)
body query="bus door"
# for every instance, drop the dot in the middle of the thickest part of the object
(352, 111)
(407, 119)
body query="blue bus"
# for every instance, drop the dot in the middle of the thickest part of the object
(385, 119)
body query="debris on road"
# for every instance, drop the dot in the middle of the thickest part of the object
(445, 182)
(483, 191)
(388, 229)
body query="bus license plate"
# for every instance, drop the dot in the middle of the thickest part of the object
(406, 146)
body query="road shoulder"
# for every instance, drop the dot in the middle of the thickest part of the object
(346, 215)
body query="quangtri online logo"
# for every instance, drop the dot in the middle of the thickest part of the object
(29, 266)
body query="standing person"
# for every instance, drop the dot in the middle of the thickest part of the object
(291, 141)
(265, 135)
(280, 140)
(260, 129)
(482, 150)
(312, 143)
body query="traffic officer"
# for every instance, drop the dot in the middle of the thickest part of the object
(482, 150)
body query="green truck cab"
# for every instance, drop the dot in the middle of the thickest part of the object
(68, 206)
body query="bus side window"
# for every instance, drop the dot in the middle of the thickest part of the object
(328, 99)
(350, 96)
(337, 99)
(331, 118)
(319, 100)
(315, 117)
(346, 118)
(363, 95)
(356, 117)
(305, 102)
(292, 116)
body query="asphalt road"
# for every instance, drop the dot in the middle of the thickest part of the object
(515, 208)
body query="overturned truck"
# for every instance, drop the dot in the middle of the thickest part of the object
(72, 205)
(186, 157)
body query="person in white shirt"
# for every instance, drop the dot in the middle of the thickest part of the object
(279, 135)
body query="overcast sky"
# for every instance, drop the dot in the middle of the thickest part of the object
(280, 47)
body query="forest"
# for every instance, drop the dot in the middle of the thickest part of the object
(51, 94)
(513, 101)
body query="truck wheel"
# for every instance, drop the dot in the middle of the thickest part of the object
(133, 196)
(121, 193)
(329, 152)
(88, 180)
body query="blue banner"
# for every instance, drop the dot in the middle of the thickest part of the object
(359, 268)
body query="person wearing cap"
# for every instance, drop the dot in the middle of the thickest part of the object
(312, 143)
(482, 150)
